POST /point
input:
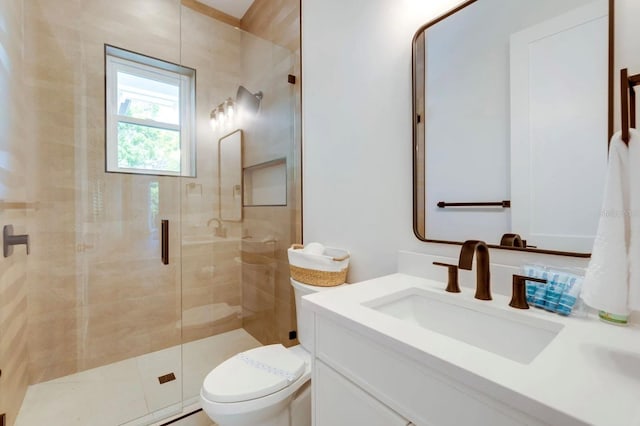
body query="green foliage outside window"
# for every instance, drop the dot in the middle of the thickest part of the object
(154, 204)
(144, 147)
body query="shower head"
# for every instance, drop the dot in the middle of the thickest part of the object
(247, 100)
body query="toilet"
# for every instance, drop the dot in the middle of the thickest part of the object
(267, 386)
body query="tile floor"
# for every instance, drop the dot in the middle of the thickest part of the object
(128, 392)
(197, 419)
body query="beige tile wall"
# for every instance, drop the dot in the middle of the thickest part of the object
(15, 167)
(275, 20)
(13, 323)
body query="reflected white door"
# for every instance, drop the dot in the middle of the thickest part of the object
(559, 128)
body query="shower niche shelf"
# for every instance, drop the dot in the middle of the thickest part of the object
(265, 184)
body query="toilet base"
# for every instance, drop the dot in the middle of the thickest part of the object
(276, 416)
(292, 411)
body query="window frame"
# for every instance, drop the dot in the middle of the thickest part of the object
(117, 59)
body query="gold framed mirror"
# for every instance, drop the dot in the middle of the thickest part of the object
(230, 176)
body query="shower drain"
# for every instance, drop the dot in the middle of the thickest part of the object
(166, 378)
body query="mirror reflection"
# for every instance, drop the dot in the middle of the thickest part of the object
(511, 122)
(230, 176)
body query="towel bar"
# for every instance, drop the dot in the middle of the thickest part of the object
(628, 102)
(505, 204)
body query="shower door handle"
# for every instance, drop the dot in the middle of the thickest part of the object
(164, 243)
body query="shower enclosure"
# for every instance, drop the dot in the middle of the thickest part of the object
(94, 304)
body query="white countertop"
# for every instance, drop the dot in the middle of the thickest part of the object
(590, 371)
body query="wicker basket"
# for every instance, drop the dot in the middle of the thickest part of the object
(324, 270)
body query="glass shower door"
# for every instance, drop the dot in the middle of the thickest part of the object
(130, 317)
(105, 312)
(235, 281)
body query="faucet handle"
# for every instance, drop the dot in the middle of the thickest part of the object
(452, 282)
(519, 291)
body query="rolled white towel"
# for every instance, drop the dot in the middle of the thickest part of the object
(314, 248)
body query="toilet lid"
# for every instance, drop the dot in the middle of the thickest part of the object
(253, 374)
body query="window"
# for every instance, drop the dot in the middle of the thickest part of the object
(150, 110)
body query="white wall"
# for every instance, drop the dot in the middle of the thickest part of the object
(357, 181)
(356, 60)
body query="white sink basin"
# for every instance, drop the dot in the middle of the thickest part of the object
(508, 334)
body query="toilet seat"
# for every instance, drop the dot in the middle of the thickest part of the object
(253, 374)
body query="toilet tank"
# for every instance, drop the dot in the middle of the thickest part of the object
(304, 318)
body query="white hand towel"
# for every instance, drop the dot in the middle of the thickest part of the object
(634, 220)
(606, 284)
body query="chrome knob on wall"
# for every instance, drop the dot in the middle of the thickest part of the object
(9, 240)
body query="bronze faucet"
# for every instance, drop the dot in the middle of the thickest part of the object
(483, 276)
(512, 240)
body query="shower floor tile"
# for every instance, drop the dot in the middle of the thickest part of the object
(128, 392)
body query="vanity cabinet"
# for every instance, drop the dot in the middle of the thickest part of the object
(341, 403)
(437, 359)
(356, 380)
